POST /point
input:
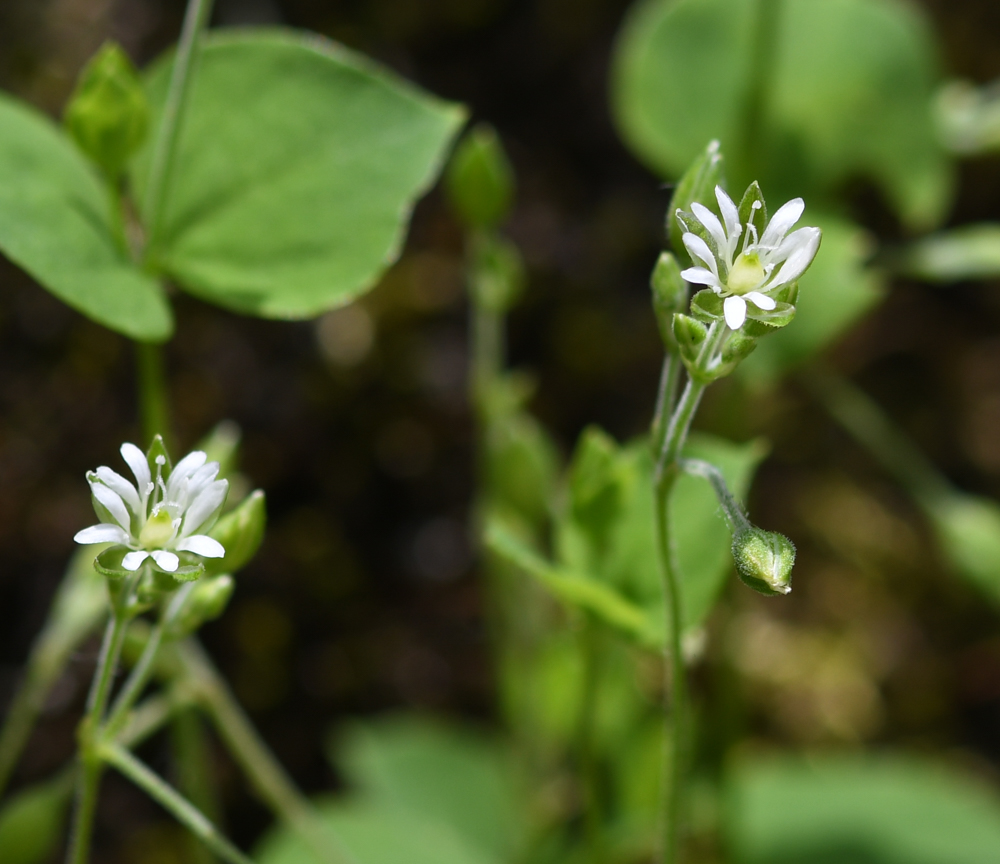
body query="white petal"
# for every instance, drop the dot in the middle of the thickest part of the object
(761, 301)
(133, 559)
(730, 212)
(207, 502)
(112, 503)
(699, 249)
(700, 276)
(103, 533)
(125, 490)
(202, 545)
(136, 460)
(735, 310)
(712, 223)
(165, 560)
(782, 221)
(801, 258)
(189, 464)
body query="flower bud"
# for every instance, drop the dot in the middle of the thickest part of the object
(206, 601)
(764, 560)
(480, 181)
(108, 116)
(697, 184)
(241, 532)
(670, 294)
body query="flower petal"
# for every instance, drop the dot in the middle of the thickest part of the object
(730, 213)
(700, 276)
(208, 501)
(103, 533)
(165, 560)
(111, 502)
(712, 224)
(200, 544)
(735, 310)
(189, 464)
(118, 484)
(781, 222)
(136, 460)
(699, 249)
(761, 301)
(802, 257)
(133, 559)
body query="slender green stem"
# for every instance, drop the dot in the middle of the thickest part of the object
(89, 778)
(666, 397)
(168, 132)
(137, 680)
(182, 809)
(764, 42)
(191, 757)
(253, 756)
(588, 767)
(153, 402)
(730, 506)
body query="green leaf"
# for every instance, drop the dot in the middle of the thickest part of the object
(887, 810)
(442, 773)
(969, 252)
(968, 530)
(31, 823)
(297, 167)
(374, 835)
(56, 223)
(834, 293)
(851, 85)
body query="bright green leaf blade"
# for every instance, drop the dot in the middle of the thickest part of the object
(852, 88)
(55, 223)
(861, 811)
(833, 294)
(297, 168)
(968, 531)
(31, 822)
(374, 835)
(438, 773)
(969, 252)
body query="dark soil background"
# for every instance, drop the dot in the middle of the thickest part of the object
(364, 596)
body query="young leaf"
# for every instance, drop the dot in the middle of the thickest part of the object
(31, 822)
(56, 223)
(297, 167)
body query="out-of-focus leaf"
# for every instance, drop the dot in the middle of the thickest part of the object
(56, 223)
(31, 822)
(968, 117)
(442, 774)
(297, 167)
(480, 179)
(850, 89)
(374, 835)
(969, 252)
(854, 810)
(833, 294)
(968, 529)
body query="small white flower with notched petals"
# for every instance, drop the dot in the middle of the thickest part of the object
(763, 264)
(158, 517)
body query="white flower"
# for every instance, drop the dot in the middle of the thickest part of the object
(763, 264)
(156, 518)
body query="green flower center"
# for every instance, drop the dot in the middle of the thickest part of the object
(747, 274)
(159, 528)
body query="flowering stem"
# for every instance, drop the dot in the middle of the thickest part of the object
(137, 680)
(763, 48)
(153, 403)
(730, 506)
(89, 778)
(585, 741)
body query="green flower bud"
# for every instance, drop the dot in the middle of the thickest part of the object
(670, 295)
(107, 115)
(205, 601)
(241, 532)
(480, 180)
(697, 184)
(497, 275)
(764, 560)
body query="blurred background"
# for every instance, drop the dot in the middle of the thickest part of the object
(365, 595)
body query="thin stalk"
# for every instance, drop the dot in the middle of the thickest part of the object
(167, 135)
(182, 809)
(89, 778)
(153, 402)
(730, 506)
(137, 680)
(764, 42)
(256, 760)
(191, 756)
(589, 780)
(666, 397)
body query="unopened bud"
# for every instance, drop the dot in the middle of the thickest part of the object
(480, 181)
(764, 560)
(108, 116)
(670, 294)
(240, 532)
(206, 601)
(697, 184)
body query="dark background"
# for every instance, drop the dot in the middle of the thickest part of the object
(364, 596)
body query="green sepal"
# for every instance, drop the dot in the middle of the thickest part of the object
(764, 560)
(690, 334)
(155, 584)
(758, 217)
(697, 184)
(670, 295)
(480, 180)
(109, 562)
(787, 293)
(188, 573)
(107, 115)
(706, 306)
(156, 449)
(241, 531)
(762, 323)
(498, 276)
(738, 346)
(690, 225)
